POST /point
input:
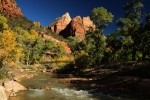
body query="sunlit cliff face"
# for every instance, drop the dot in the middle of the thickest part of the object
(10, 9)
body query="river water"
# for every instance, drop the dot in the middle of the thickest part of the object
(45, 87)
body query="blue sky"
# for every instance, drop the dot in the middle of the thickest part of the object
(46, 11)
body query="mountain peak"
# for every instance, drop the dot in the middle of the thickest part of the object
(60, 23)
(67, 15)
(77, 26)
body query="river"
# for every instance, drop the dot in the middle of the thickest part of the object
(46, 87)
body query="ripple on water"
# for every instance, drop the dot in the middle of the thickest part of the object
(37, 93)
(72, 94)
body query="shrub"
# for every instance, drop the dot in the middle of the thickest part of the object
(3, 73)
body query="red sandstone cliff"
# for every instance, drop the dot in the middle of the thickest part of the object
(10, 9)
(77, 26)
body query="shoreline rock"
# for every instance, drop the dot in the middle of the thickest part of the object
(13, 86)
(3, 95)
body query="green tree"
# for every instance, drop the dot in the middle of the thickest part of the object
(144, 38)
(95, 46)
(95, 40)
(129, 26)
(29, 42)
(112, 47)
(55, 49)
(75, 44)
(100, 16)
(37, 51)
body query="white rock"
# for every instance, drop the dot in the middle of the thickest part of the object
(13, 86)
(3, 95)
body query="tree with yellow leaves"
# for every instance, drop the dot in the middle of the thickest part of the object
(9, 48)
(30, 41)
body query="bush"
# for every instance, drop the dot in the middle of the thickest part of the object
(3, 73)
(24, 23)
(82, 60)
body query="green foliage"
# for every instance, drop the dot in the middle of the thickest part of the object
(91, 51)
(20, 40)
(22, 22)
(133, 9)
(3, 23)
(54, 49)
(127, 41)
(95, 45)
(143, 38)
(75, 44)
(82, 60)
(3, 73)
(95, 41)
(37, 50)
(130, 26)
(100, 16)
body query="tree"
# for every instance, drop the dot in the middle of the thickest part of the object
(144, 38)
(129, 26)
(95, 46)
(55, 49)
(75, 45)
(37, 50)
(100, 16)
(112, 47)
(30, 41)
(95, 40)
(9, 49)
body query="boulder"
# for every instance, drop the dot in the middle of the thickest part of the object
(13, 86)
(3, 95)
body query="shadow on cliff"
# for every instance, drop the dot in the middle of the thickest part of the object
(68, 31)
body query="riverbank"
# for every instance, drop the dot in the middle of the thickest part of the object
(11, 85)
(129, 79)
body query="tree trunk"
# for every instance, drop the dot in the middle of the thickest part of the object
(28, 57)
(143, 56)
(133, 54)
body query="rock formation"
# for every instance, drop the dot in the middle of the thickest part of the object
(10, 9)
(75, 27)
(87, 23)
(60, 23)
